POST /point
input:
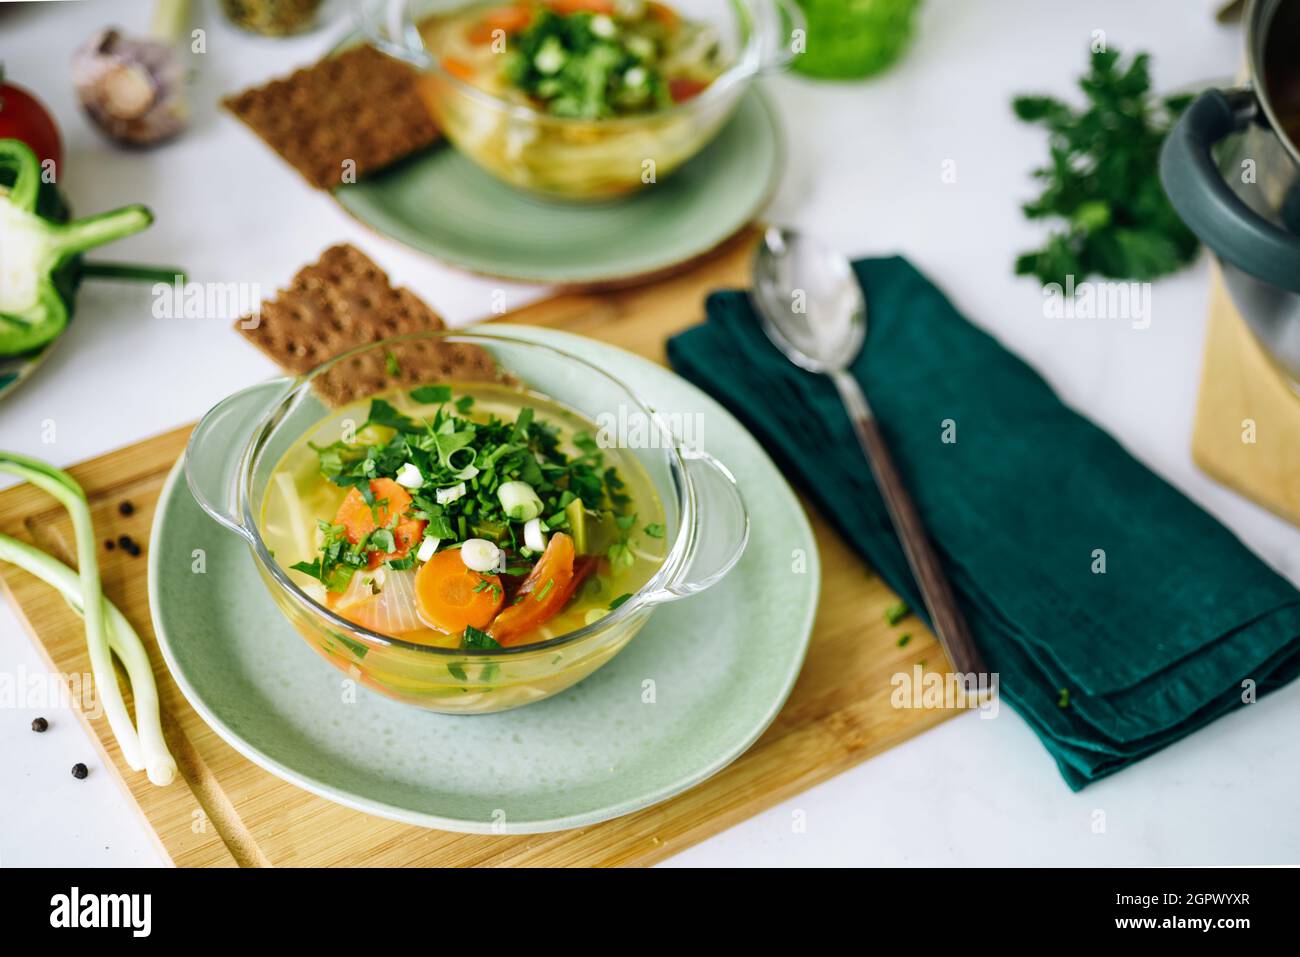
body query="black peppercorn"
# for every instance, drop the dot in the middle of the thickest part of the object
(39, 725)
(79, 771)
(126, 508)
(110, 544)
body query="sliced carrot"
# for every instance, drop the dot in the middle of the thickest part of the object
(565, 7)
(360, 519)
(683, 88)
(452, 598)
(545, 591)
(509, 20)
(458, 68)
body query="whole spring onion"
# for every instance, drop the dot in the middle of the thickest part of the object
(107, 630)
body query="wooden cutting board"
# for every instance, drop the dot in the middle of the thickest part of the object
(226, 811)
(1247, 432)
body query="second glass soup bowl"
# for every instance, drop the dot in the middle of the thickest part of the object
(233, 453)
(570, 158)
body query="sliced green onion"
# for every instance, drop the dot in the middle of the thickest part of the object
(480, 555)
(534, 537)
(520, 501)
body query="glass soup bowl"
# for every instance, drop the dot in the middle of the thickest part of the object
(584, 159)
(234, 451)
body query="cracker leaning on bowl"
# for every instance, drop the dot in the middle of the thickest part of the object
(352, 113)
(342, 301)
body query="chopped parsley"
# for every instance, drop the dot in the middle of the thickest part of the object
(473, 638)
(465, 461)
(897, 612)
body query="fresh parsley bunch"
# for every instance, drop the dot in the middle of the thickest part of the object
(1103, 179)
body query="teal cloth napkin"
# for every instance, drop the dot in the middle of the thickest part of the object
(1180, 628)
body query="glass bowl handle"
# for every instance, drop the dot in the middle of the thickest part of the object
(720, 530)
(387, 24)
(781, 20)
(218, 449)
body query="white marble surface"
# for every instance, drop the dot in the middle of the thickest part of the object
(865, 172)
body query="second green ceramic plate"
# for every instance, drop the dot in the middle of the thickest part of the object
(441, 203)
(686, 697)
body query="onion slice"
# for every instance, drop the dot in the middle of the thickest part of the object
(392, 611)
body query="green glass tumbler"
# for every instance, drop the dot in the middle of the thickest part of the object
(851, 39)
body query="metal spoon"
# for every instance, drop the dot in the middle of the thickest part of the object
(811, 307)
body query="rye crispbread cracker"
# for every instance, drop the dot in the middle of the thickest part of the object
(360, 105)
(343, 301)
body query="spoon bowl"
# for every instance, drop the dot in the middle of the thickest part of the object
(809, 301)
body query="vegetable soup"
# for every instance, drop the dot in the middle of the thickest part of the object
(470, 515)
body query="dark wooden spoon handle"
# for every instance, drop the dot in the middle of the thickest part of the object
(949, 623)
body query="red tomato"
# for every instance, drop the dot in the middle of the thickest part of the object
(23, 118)
(682, 89)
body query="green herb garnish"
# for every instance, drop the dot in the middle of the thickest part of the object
(431, 394)
(588, 66)
(450, 450)
(473, 638)
(897, 612)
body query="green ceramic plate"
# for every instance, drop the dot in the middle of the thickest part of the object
(441, 203)
(721, 663)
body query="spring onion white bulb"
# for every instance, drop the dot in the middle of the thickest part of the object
(446, 495)
(480, 555)
(520, 502)
(408, 476)
(107, 631)
(534, 537)
(426, 549)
